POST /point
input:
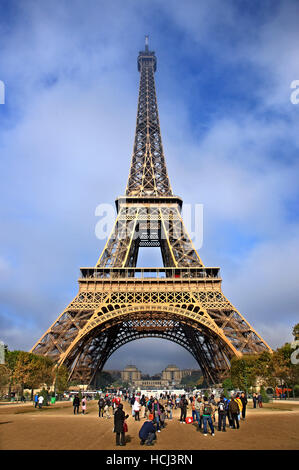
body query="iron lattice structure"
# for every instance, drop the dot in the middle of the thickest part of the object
(118, 302)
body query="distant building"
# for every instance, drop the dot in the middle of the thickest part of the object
(170, 377)
(130, 374)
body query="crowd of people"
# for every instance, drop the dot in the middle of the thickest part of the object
(207, 412)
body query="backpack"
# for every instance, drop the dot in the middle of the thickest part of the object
(221, 406)
(234, 407)
(207, 409)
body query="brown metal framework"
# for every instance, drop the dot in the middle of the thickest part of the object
(118, 303)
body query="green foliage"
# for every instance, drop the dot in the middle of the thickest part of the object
(45, 394)
(61, 379)
(264, 395)
(193, 380)
(104, 379)
(244, 372)
(227, 386)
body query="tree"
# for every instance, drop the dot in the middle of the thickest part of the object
(32, 370)
(4, 377)
(227, 386)
(286, 373)
(104, 379)
(193, 380)
(244, 372)
(61, 379)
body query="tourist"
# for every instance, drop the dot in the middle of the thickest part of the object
(170, 405)
(197, 408)
(76, 404)
(101, 404)
(240, 405)
(177, 402)
(150, 403)
(136, 409)
(221, 414)
(234, 410)
(132, 401)
(106, 408)
(143, 403)
(83, 405)
(35, 400)
(40, 401)
(162, 416)
(147, 433)
(213, 402)
(183, 406)
(243, 399)
(155, 410)
(120, 426)
(254, 400)
(260, 400)
(207, 412)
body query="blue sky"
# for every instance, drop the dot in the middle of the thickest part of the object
(230, 136)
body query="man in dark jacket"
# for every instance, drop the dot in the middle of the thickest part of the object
(76, 404)
(183, 405)
(221, 414)
(243, 399)
(101, 404)
(147, 433)
(119, 419)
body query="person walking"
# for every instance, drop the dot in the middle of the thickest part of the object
(101, 405)
(120, 426)
(162, 416)
(214, 405)
(238, 399)
(221, 415)
(76, 404)
(234, 411)
(40, 401)
(83, 405)
(254, 400)
(243, 399)
(193, 403)
(155, 410)
(147, 433)
(207, 412)
(183, 406)
(35, 400)
(260, 400)
(197, 409)
(136, 409)
(106, 408)
(170, 405)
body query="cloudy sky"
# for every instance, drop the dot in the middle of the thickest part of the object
(230, 136)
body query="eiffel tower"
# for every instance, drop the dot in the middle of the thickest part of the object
(118, 302)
